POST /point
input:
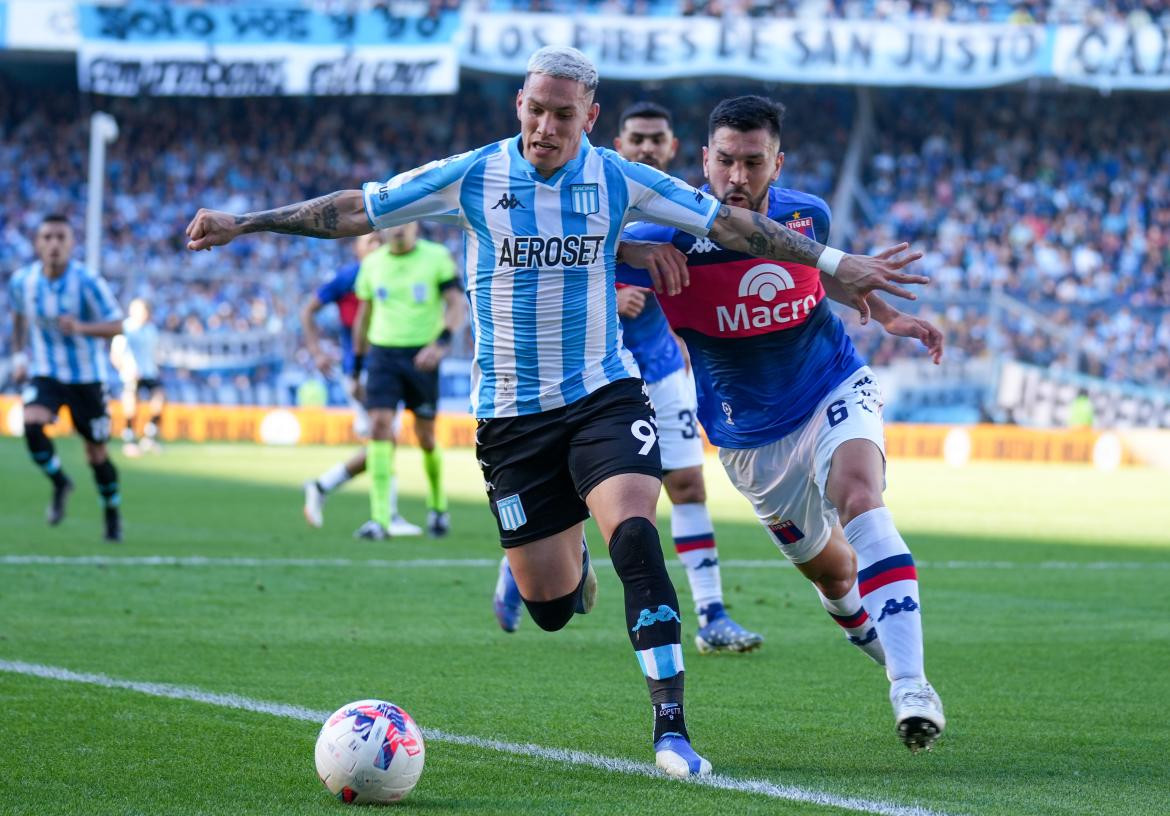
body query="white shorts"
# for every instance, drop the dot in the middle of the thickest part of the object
(361, 419)
(675, 404)
(785, 480)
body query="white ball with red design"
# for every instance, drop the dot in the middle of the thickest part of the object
(370, 752)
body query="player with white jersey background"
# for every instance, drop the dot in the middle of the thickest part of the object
(795, 411)
(68, 314)
(565, 427)
(134, 353)
(646, 135)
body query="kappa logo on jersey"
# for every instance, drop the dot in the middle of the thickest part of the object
(511, 512)
(532, 251)
(586, 198)
(802, 225)
(786, 530)
(508, 201)
(765, 281)
(702, 245)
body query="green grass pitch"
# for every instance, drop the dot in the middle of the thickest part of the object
(1047, 625)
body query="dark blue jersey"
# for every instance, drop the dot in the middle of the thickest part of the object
(765, 348)
(648, 338)
(339, 290)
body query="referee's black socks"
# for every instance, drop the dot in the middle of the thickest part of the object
(41, 449)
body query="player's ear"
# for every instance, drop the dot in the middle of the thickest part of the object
(706, 175)
(519, 101)
(591, 119)
(617, 143)
(779, 165)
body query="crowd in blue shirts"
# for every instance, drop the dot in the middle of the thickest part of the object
(1054, 200)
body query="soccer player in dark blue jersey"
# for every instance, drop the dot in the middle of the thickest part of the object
(795, 411)
(67, 315)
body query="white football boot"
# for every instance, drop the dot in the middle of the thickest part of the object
(918, 713)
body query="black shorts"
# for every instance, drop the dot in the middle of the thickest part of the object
(148, 384)
(392, 378)
(538, 468)
(86, 401)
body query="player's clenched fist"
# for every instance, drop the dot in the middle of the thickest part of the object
(211, 228)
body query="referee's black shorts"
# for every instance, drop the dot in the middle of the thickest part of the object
(392, 378)
(539, 467)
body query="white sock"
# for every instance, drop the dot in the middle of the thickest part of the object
(851, 616)
(888, 583)
(694, 541)
(333, 478)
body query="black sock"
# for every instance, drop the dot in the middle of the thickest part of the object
(41, 449)
(106, 477)
(667, 697)
(652, 617)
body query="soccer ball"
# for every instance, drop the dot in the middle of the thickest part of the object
(370, 752)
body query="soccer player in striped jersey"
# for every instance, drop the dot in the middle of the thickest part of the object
(67, 315)
(565, 426)
(646, 135)
(134, 353)
(795, 411)
(339, 290)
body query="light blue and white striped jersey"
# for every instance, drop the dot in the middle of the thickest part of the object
(540, 257)
(142, 343)
(78, 292)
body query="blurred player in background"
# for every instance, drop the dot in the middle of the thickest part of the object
(410, 303)
(68, 314)
(339, 290)
(795, 411)
(646, 135)
(565, 426)
(134, 353)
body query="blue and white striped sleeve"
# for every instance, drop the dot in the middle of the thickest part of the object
(663, 199)
(15, 295)
(100, 299)
(429, 192)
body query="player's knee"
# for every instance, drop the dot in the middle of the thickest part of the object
(36, 439)
(685, 486)
(95, 453)
(552, 615)
(634, 548)
(856, 498)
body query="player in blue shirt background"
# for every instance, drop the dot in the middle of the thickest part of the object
(796, 412)
(339, 290)
(646, 136)
(565, 426)
(67, 315)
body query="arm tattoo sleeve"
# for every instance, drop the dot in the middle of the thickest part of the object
(764, 238)
(317, 218)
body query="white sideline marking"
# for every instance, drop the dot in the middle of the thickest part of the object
(425, 563)
(561, 755)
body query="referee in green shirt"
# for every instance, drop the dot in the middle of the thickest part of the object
(410, 302)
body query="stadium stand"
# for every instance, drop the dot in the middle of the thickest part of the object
(1044, 216)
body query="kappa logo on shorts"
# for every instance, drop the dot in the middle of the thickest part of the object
(511, 512)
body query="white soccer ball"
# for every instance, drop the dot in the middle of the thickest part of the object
(370, 752)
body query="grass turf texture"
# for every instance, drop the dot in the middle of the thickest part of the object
(1053, 675)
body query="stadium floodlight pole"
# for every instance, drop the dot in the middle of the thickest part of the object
(103, 129)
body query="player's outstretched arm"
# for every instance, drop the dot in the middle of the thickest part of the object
(338, 215)
(750, 232)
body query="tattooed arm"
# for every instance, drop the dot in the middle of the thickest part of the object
(338, 215)
(754, 234)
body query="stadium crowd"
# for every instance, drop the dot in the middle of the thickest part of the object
(1010, 194)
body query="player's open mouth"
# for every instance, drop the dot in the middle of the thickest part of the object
(542, 146)
(736, 200)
